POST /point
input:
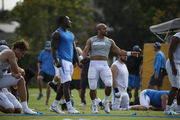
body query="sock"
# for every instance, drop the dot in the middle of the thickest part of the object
(63, 101)
(24, 104)
(106, 98)
(167, 107)
(94, 102)
(54, 82)
(69, 105)
(55, 103)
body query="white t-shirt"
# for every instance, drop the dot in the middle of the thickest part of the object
(122, 78)
(177, 52)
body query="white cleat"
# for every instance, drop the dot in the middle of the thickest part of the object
(73, 111)
(106, 106)
(55, 109)
(82, 105)
(28, 111)
(94, 109)
(170, 112)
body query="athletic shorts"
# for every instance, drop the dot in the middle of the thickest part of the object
(99, 69)
(7, 100)
(46, 78)
(8, 80)
(84, 76)
(65, 72)
(144, 99)
(75, 84)
(158, 82)
(134, 81)
(123, 101)
(174, 80)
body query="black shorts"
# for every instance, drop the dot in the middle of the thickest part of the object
(46, 78)
(75, 84)
(84, 76)
(158, 82)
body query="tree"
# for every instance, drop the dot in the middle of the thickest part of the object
(130, 19)
(38, 19)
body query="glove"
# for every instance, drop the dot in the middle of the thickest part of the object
(117, 93)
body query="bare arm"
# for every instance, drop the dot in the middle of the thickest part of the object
(115, 71)
(173, 45)
(38, 67)
(163, 101)
(11, 58)
(87, 48)
(54, 45)
(115, 49)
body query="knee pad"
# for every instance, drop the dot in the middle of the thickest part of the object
(92, 84)
(107, 77)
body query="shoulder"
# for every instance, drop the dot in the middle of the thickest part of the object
(8, 54)
(56, 34)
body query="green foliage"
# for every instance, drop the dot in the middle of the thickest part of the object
(38, 19)
(130, 19)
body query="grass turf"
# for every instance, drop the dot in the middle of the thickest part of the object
(39, 105)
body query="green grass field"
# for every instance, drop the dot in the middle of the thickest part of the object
(39, 105)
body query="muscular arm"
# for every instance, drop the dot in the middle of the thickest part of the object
(163, 101)
(173, 45)
(12, 61)
(114, 70)
(117, 50)
(54, 44)
(87, 48)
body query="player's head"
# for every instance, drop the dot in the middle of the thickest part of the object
(64, 21)
(47, 45)
(136, 48)
(122, 58)
(101, 29)
(20, 47)
(157, 46)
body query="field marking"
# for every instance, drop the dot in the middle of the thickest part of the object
(98, 116)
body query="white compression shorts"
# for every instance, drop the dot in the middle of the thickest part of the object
(174, 80)
(122, 102)
(8, 80)
(144, 99)
(7, 100)
(65, 72)
(99, 69)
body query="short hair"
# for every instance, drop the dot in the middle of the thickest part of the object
(98, 25)
(61, 19)
(21, 44)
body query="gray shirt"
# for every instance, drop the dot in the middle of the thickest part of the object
(100, 47)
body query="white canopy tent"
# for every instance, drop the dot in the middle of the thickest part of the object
(166, 27)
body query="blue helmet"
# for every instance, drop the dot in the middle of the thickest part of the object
(157, 45)
(136, 48)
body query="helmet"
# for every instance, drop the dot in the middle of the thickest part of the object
(157, 45)
(136, 48)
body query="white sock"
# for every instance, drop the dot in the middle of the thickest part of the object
(63, 101)
(54, 82)
(167, 107)
(106, 98)
(69, 105)
(24, 104)
(55, 103)
(94, 102)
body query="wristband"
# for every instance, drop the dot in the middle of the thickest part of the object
(129, 53)
(80, 57)
(116, 90)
